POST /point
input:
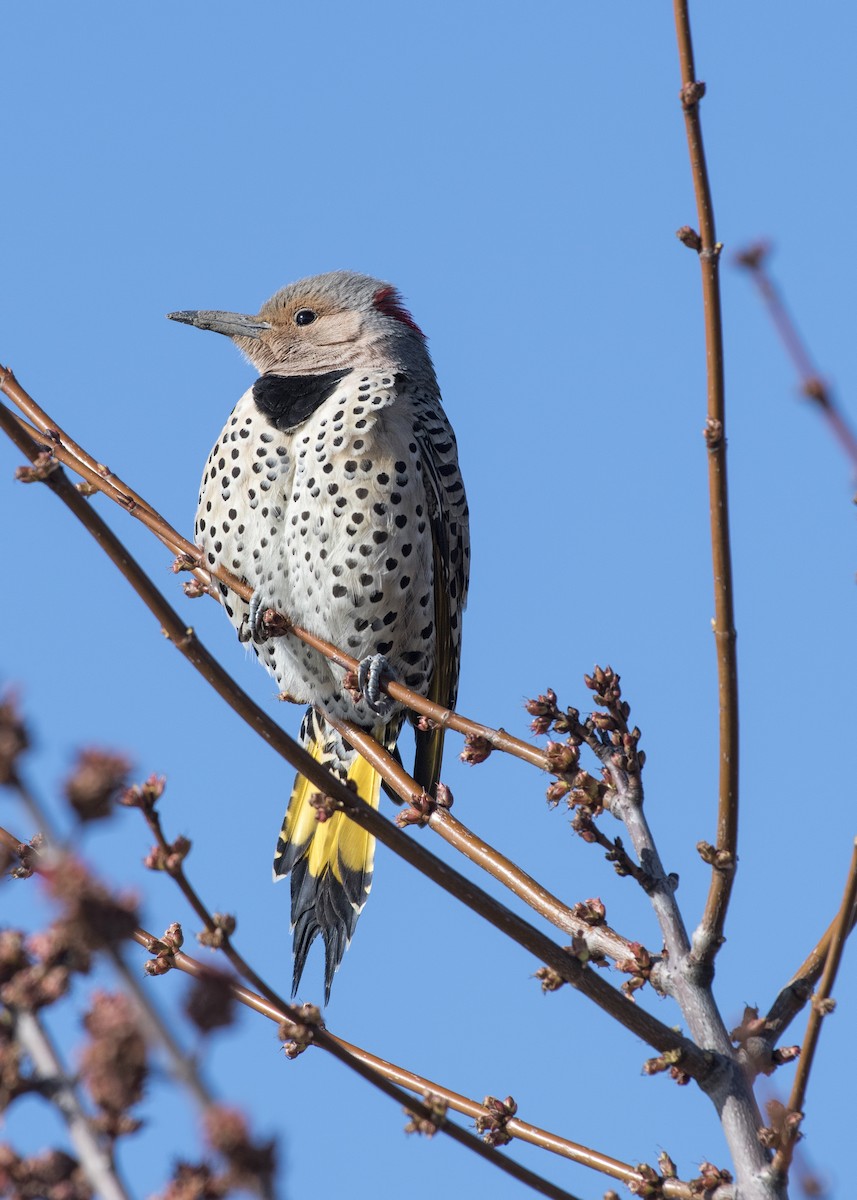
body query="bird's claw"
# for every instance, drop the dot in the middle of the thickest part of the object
(369, 675)
(253, 626)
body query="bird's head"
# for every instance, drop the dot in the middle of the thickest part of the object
(321, 324)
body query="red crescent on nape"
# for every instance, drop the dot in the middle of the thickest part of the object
(388, 301)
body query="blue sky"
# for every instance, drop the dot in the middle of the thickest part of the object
(519, 173)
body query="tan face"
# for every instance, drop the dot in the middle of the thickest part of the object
(310, 332)
(322, 324)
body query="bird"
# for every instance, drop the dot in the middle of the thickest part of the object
(334, 491)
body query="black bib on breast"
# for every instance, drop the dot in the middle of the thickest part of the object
(285, 401)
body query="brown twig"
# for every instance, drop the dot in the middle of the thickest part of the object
(673, 1189)
(820, 1006)
(283, 1014)
(599, 940)
(66, 451)
(739, 1113)
(221, 937)
(798, 990)
(517, 1128)
(695, 1062)
(709, 936)
(270, 1004)
(812, 384)
(182, 1066)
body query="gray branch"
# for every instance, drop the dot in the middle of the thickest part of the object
(49, 1070)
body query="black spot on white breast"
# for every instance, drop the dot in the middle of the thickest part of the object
(285, 401)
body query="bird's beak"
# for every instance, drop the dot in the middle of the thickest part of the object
(228, 323)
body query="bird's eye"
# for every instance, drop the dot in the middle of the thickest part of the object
(305, 316)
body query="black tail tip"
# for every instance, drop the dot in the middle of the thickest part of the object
(335, 943)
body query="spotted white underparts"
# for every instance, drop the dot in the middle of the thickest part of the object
(328, 494)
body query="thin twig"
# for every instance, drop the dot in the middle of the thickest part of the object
(96, 1162)
(709, 936)
(66, 451)
(819, 1008)
(182, 1066)
(522, 1130)
(798, 990)
(353, 1056)
(273, 1006)
(736, 1103)
(696, 1063)
(600, 940)
(223, 940)
(812, 383)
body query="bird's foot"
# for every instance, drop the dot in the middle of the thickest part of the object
(369, 675)
(253, 626)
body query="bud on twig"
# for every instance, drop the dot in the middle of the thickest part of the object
(663, 1062)
(43, 465)
(689, 237)
(476, 749)
(692, 93)
(95, 783)
(296, 1037)
(251, 1164)
(419, 810)
(591, 912)
(551, 980)
(276, 624)
(144, 795)
(427, 1125)
(562, 757)
(224, 927)
(492, 1125)
(710, 1178)
(443, 796)
(324, 807)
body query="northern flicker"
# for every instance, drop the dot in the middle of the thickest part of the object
(334, 491)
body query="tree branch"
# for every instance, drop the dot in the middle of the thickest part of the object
(798, 990)
(709, 936)
(600, 940)
(98, 477)
(695, 1062)
(812, 384)
(220, 937)
(183, 1067)
(306, 1023)
(517, 1128)
(96, 1162)
(820, 1007)
(739, 1113)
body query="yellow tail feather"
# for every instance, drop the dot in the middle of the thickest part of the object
(330, 861)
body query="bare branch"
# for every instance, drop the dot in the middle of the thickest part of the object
(695, 1062)
(673, 1189)
(306, 1023)
(100, 479)
(812, 383)
(182, 1066)
(798, 990)
(820, 1007)
(709, 936)
(599, 940)
(96, 1162)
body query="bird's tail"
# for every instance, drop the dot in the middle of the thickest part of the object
(330, 861)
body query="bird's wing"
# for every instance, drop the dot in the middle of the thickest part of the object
(447, 507)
